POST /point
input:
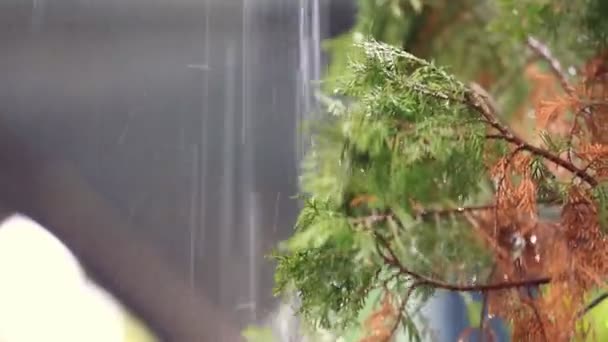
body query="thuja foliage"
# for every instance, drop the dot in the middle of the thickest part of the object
(410, 141)
(404, 130)
(420, 183)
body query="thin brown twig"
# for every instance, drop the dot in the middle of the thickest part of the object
(538, 317)
(586, 109)
(402, 307)
(571, 135)
(597, 301)
(585, 176)
(371, 219)
(484, 306)
(575, 126)
(479, 100)
(423, 213)
(422, 280)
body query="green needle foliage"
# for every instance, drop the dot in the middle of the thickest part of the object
(409, 135)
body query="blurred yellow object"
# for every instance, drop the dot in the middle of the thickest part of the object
(136, 331)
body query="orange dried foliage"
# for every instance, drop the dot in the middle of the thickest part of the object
(379, 325)
(543, 86)
(549, 255)
(595, 157)
(362, 199)
(551, 114)
(514, 196)
(594, 89)
(573, 252)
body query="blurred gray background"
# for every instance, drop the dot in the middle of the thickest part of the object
(183, 113)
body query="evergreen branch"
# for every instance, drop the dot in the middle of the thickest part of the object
(543, 51)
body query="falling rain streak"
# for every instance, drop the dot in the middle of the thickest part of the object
(228, 145)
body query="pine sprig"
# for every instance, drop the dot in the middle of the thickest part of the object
(402, 130)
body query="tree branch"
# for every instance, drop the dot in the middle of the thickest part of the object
(479, 103)
(581, 173)
(423, 280)
(422, 213)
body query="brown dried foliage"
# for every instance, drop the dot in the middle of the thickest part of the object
(379, 325)
(572, 252)
(580, 117)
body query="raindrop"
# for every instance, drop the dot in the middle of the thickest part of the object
(276, 211)
(38, 10)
